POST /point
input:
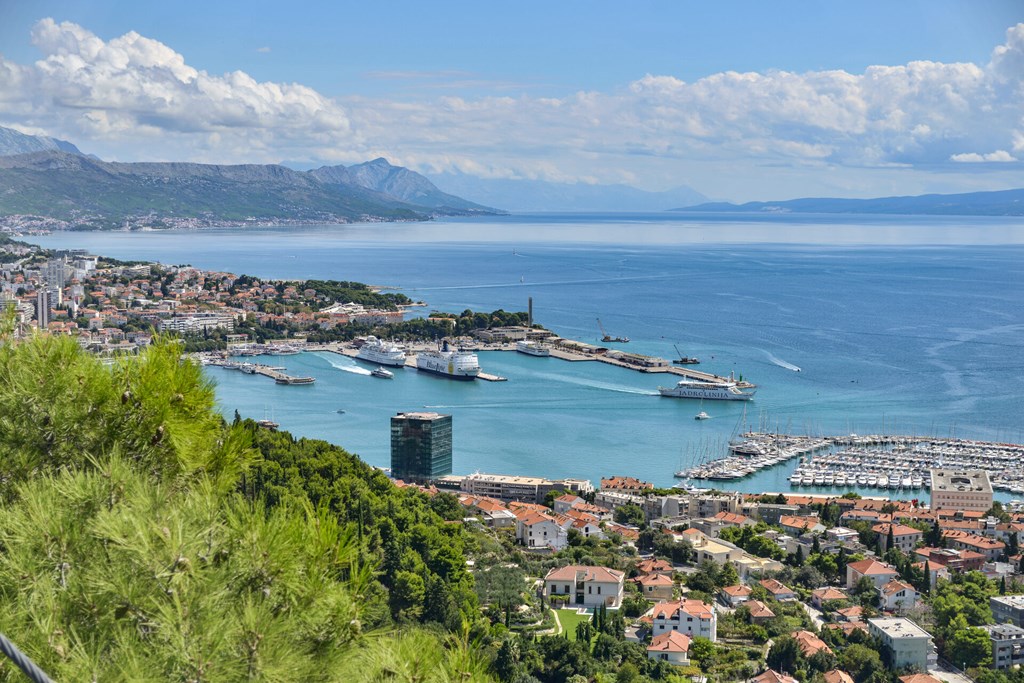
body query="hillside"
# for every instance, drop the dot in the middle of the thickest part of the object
(12, 142)
(64, 190)
(398, 182)
(999, 203)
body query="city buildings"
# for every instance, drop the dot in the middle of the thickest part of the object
(586, 586)
(961, 490)
(906, 643)
(1007, 609)
(516, 488)
(690, 617)
(1007, 645)
(421, 446)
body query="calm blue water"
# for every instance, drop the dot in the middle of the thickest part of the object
(910, 325)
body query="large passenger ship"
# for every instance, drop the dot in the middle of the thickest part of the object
(532, 348)
(381, 352)
(455, 364)
(714, 391)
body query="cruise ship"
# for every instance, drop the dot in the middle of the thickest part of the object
(714, 391)
(448, 363)
(532, 348)
(381, 352)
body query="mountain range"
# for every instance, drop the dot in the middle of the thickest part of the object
(53, 185)
(539, 195)
(997, 203)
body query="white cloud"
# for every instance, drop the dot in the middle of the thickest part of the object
(263, 50)
(1000, 156)
(134, 97)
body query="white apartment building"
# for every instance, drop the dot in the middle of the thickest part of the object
(908, 644)
(689, 617)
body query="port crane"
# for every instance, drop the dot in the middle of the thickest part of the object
(684, 360)
(605, 337)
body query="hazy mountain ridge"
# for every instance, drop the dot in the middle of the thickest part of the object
(539, 195)
(13, 142)
(399, 182)
(58, 189)
(995, 203)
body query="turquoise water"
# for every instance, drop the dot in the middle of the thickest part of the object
(910, 325)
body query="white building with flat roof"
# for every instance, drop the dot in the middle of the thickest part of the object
(508, 487)
(908, 644)
(967, 490)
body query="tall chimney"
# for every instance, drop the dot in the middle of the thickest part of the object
(529, 314)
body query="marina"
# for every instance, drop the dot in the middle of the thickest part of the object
(876, 461)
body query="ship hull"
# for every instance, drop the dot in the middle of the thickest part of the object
(445, 374)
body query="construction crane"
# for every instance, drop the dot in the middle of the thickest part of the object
(605, 337)
(684, 360)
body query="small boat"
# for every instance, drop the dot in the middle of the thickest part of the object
(382, 373)
(340, 411)
(701, 416)
(267, 424)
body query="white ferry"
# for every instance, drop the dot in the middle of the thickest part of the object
(715, 391)
(532, 348)
(381, 352)
(451, 364)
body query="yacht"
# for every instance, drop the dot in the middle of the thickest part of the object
(701, 416)
(713, 391)
(532, 348)
(379, 371)
(381, 352)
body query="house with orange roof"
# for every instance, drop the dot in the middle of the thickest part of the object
(919, 678)
(847, 627)
(903, 537)
(860, 515)
(809, 643)
(771, 676)
(795, 525)
(778, 590)
(837, 676)
(822, 595)
(962, 540)
(588, 528)
(654, 565)
(625, 484)
(851, 614)
(630, 534)
(672, 647)
(896, 596)
(759, 612)
(566, 502)
(539, 531)
(734, 596)
(879, 573)
(586, 586)
(690, 617)
(656, 586)
(952, 560)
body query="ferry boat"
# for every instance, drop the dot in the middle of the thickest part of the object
(379, 371)
(380, 352)
(532, 348)
(715, 391)
(276, 350)
(456, 364)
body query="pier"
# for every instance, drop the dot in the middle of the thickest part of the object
(273, 372)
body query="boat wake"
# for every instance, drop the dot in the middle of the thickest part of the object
(606, 386)
(781, 363)
(340, 363)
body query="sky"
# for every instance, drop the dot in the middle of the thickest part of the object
(742, 100)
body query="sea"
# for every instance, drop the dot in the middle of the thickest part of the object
(847, 324)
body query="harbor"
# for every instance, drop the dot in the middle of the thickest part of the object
(885, 462)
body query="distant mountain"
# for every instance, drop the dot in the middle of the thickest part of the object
(12, 142)
(539, 195)
(999, 203)
(396, 181)
(74, 191)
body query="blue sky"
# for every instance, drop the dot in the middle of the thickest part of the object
(741, 100)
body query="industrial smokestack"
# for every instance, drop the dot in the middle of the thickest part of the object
(529, 313)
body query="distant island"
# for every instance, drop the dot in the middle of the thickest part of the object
(999, 203)
(48, 184)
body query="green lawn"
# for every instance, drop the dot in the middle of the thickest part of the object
(569, 619)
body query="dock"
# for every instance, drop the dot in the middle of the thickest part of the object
(280, 377)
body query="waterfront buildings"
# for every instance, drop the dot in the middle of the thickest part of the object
(586, 586)
(421, 446)
(961, 490)
(515, 488)
(907, 644)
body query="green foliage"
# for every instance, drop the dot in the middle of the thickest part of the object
(861, 662)
(967, 646)
(136, 546)
(630, 513)
(784, 654)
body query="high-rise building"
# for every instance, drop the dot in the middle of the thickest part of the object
(42, 309)
(421, 446)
